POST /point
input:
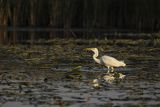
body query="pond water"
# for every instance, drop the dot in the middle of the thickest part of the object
(62, 75)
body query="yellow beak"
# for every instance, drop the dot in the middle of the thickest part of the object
(88, 49)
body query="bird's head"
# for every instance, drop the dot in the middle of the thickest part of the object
(92, 49)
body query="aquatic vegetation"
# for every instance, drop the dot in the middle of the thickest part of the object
(61, 73)
(75, 69)
(156, 42)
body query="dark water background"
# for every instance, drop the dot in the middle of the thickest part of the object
(61, 74)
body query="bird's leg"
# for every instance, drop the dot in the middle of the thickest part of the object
(112, 69)
(108, 69)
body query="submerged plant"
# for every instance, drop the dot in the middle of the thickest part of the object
(156, 42)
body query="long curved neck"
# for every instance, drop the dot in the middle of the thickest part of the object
(95, 57)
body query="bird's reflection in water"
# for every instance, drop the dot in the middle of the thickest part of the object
(96, 84)
(107, 78)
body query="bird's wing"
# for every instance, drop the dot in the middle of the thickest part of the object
(109, 61)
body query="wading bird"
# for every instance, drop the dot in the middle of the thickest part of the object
(105, 60)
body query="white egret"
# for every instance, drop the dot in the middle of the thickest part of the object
(105, 60)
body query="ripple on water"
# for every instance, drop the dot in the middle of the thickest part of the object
(39, 85)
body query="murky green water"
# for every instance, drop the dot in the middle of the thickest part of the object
(62, 75)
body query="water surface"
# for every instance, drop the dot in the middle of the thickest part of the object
(61, 74)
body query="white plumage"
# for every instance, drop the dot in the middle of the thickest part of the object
(105, 60)
(112, 62)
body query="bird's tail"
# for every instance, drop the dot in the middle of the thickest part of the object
(122, 63)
